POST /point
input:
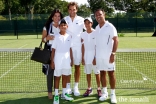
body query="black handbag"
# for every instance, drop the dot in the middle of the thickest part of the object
(41, 55)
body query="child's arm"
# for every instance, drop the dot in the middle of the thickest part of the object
(52, 64)
(83, 49)
(71, 57)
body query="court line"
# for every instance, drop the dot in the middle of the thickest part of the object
(11, 52)
(14, 67)
(22, 46)
(143, 75)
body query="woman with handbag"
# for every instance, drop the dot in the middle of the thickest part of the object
(49, 30)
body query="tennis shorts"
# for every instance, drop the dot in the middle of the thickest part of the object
(77, 55)
(60, 72)
(89, 67)
(104, 65)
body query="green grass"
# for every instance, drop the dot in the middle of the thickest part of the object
(24, 83)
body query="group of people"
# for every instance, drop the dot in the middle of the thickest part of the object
(73, 41)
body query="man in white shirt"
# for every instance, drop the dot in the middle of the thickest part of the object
(75, 28)
(106, 46)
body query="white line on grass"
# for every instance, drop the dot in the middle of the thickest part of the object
(14, 67)
(22, 46)
(11, 52)
(143, 75)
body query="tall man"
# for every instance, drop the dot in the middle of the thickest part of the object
(106, 46)
(75, 28)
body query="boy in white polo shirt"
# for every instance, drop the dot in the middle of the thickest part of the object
(62, 60)
(75, 28)
(88, 56)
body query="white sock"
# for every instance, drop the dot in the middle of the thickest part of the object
(105, 89)
(76, 85)
(68, 85)
(112, 91)
(56, 92)
(64, 91)
(89, 88)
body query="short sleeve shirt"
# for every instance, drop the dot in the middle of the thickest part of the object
(75, 28)
(62, 43)
(104, 41)
(89, 40)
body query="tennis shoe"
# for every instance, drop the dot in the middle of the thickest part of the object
(67, 97)
(56, 99)
(76, 92)
(88, 92)
(113, 98)
(99, 93)
(69, 91)
(104, 96)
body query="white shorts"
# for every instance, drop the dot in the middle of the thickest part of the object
(89, 67)
(104, 65)
(77, 55)
(61, 72)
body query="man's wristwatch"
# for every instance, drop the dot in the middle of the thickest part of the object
(113, 53)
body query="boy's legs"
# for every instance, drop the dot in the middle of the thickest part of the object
(97, 75)
(88, 70)
(65, 75)
(57, 74)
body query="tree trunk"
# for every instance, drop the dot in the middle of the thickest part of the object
(9, 14)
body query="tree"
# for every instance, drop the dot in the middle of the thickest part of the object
(84, 10)
(106, 5)
(1, 6)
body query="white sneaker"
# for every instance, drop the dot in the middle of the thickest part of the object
(56, 100)
(76, 92)
(67, 97)
(113, 98)
(104, 96)
(69, 91)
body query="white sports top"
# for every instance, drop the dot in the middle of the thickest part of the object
(104, 41)
(89, 45)
(55, 30)
(75, 28)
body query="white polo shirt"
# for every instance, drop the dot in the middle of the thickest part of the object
(89, 45)
(62, 45)
(75, 28)
(104, 41)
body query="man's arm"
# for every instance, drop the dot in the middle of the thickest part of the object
(115, 46)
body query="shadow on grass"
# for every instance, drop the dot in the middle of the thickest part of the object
(44, 100)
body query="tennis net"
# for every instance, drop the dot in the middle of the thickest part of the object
(135, 69)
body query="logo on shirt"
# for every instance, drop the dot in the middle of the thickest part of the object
(93, 38)
(76, 23)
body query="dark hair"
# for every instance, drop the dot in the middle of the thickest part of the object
(99, 10)
(47, 24)
(73, 4)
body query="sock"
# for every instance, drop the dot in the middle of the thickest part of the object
(68, 85)
(56, 92)
(105, 89)
(112, 91)
(64, 91)
(98, 88)
(89, 88)
(76, 85)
